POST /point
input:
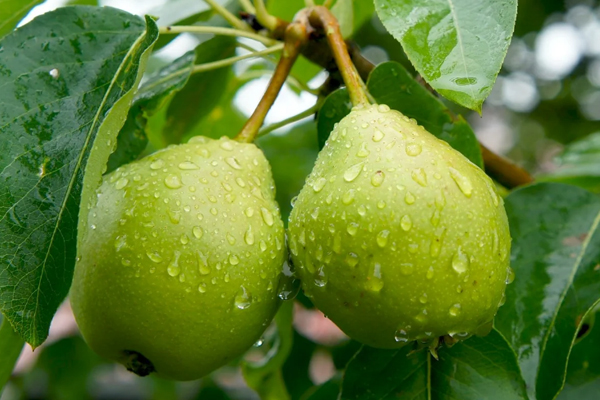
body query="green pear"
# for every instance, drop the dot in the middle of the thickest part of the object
(178, 271)
(398, 237)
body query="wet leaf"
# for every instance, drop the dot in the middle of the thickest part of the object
(556, 259)
(158, 89)
(479, 367)
(458, 46)
(67, 78)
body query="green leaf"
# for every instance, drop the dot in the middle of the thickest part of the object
(458, 46)
(11, 345)
(14, 11)
(478, 368)
(202, 92)
(556, 258)
(583, 373)
(335, 107)
(389, 83)
(152, 96)
(264, 376)
(579, 164)
(67, 79)
(344, 12)
(326, 391)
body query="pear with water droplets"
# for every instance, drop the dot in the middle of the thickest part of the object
(179, 268)
(398, 237)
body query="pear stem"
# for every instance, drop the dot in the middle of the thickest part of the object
(262, 15)
(321, 17)
(229, 17)
(306, 113)
(504, 170)
(295, 38)
(216, 30)
(247, 6)
(232, 60)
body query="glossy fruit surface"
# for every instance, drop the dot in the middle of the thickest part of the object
(179, 270)
(397, 236)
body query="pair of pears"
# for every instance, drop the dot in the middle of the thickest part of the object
(396, 237)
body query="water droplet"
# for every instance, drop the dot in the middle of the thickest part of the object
(409, 198)
(233, 163)
(455, 310)
(227, 278)
(337, 244)
(319, 184)
(383, 108)
(329, 198)
(423, 298)
(382, 238)
(267, 216)
(121, 183)
(315, 213)
(401, 336)
(240, 182)
(249, 236)
(174, 215)
(406, 223)
(413, 247)
(510, 275)
(230, 238)
(352, 228)
(460, 261)
(463, 183)
(187, 166)
(203, 266)
(422, 317)
(226, 145)
(184, 239)
(435, 218)
(321, 279)
(378, 135)
(157, 164)
(154, 256)
(377, 178)
(502, 300)
(440, 200)
(125, 262)
(352, 259)
(419, 176)
(197, 232)
(430, 273)
(374, 281)
(242, 299)
(202, 288)
(363, 151)
(348, 197)
(353, 172)
(172, 182)
(120, 242)
(173, 269)
(413, 149)
(495, 242)
(263, 245)
(213, 211)
(407, 268)
(234, 260)
(249, 212)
